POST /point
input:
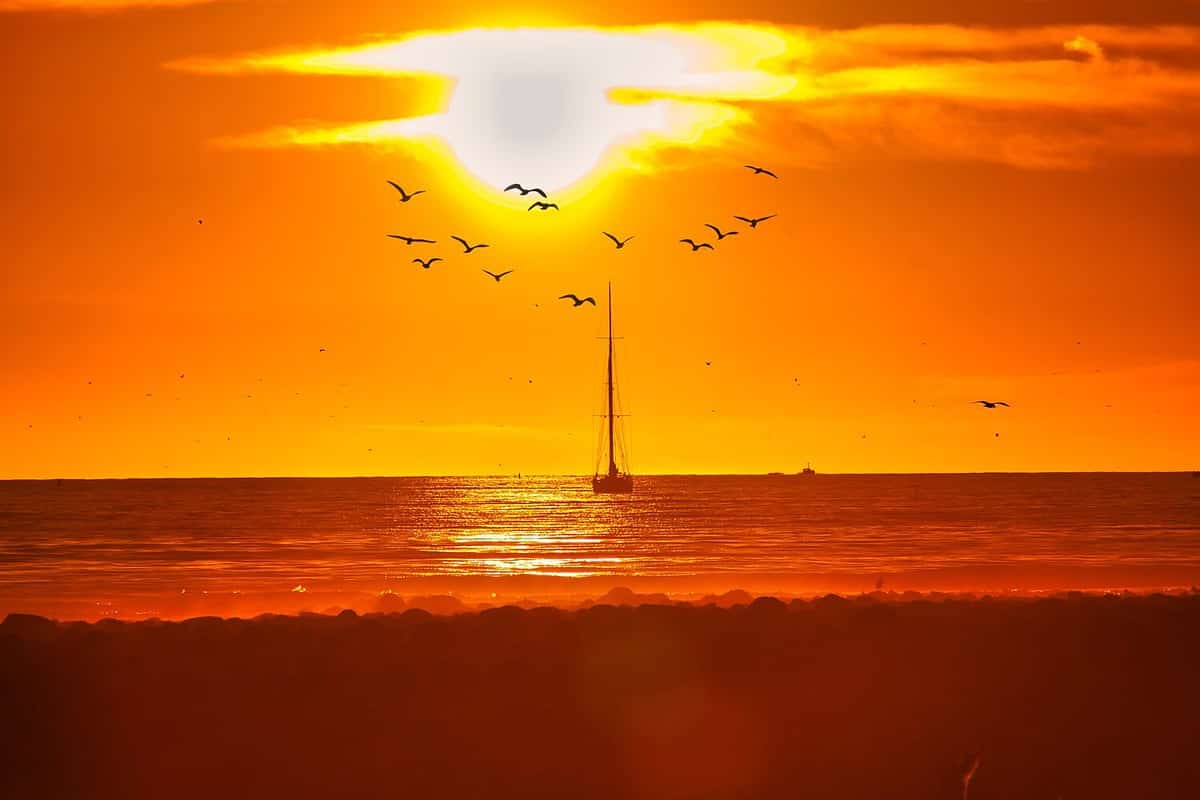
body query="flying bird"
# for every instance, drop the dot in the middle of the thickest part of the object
(753, 221)
(429, 263)
(523, 190)
(467, 248)
(576, 300)
(498, 276)
(410, 239)
(618, 242)
(543, 206)
(719, 233)
(991, 403)
(761, 171)
(695, 246)
(405, 196)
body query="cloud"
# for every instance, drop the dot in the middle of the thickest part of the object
(93, 5)
(1058, 97)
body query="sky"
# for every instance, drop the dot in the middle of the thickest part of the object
(976, 200)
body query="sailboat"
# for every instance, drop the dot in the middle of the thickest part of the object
(614, 481)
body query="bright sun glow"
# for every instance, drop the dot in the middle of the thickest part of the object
(546, 107)
(555, 106)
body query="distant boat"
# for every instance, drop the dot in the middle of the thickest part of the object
(615, 480)
(807, 471)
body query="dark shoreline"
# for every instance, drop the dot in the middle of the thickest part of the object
(1080, 697)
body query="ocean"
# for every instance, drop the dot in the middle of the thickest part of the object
(170, 548)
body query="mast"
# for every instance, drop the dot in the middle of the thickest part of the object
(612, 456)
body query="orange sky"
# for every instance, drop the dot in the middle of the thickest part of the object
(997, 201)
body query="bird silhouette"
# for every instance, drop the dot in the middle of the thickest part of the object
(543, 206)
(410, 239)
(695, 246)
(405, 196)
(991, 403)
(753, 221)
(498, 276)
(761, 171)
(523, 190)
(719, 233)
(618, 242)
(427, 263)
(467, 248)
(576, 300)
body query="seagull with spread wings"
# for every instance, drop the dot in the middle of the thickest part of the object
(761, 171)
(427, 263)
(410, 239)
(618, 242)
(541, 205)
(753, 221)
(577, 300)
(405, 196)
(720, 234)
(524, 191)
(498, 276)
(467, 248)
(695, 246)
(991, 403)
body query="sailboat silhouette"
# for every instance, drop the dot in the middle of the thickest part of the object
(614, 481)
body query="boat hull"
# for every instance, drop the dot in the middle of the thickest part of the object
(612, 484)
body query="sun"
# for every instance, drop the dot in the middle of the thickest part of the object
(537, 105)
(550, 107)
(544, 129)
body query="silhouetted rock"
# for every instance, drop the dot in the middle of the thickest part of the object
(438, 604)
(768, 605)
(735, 597)
(29, 626)
(619, 596)
(503, 615)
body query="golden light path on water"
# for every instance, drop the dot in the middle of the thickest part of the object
(511, 544)
(179, 548)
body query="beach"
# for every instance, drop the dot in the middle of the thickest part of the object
(862, 697)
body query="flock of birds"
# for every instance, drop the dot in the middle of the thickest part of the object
(545, 205)
(618, 242)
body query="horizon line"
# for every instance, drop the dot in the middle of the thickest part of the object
(585, 476)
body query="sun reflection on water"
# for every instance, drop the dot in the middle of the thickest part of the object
(498, 527)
